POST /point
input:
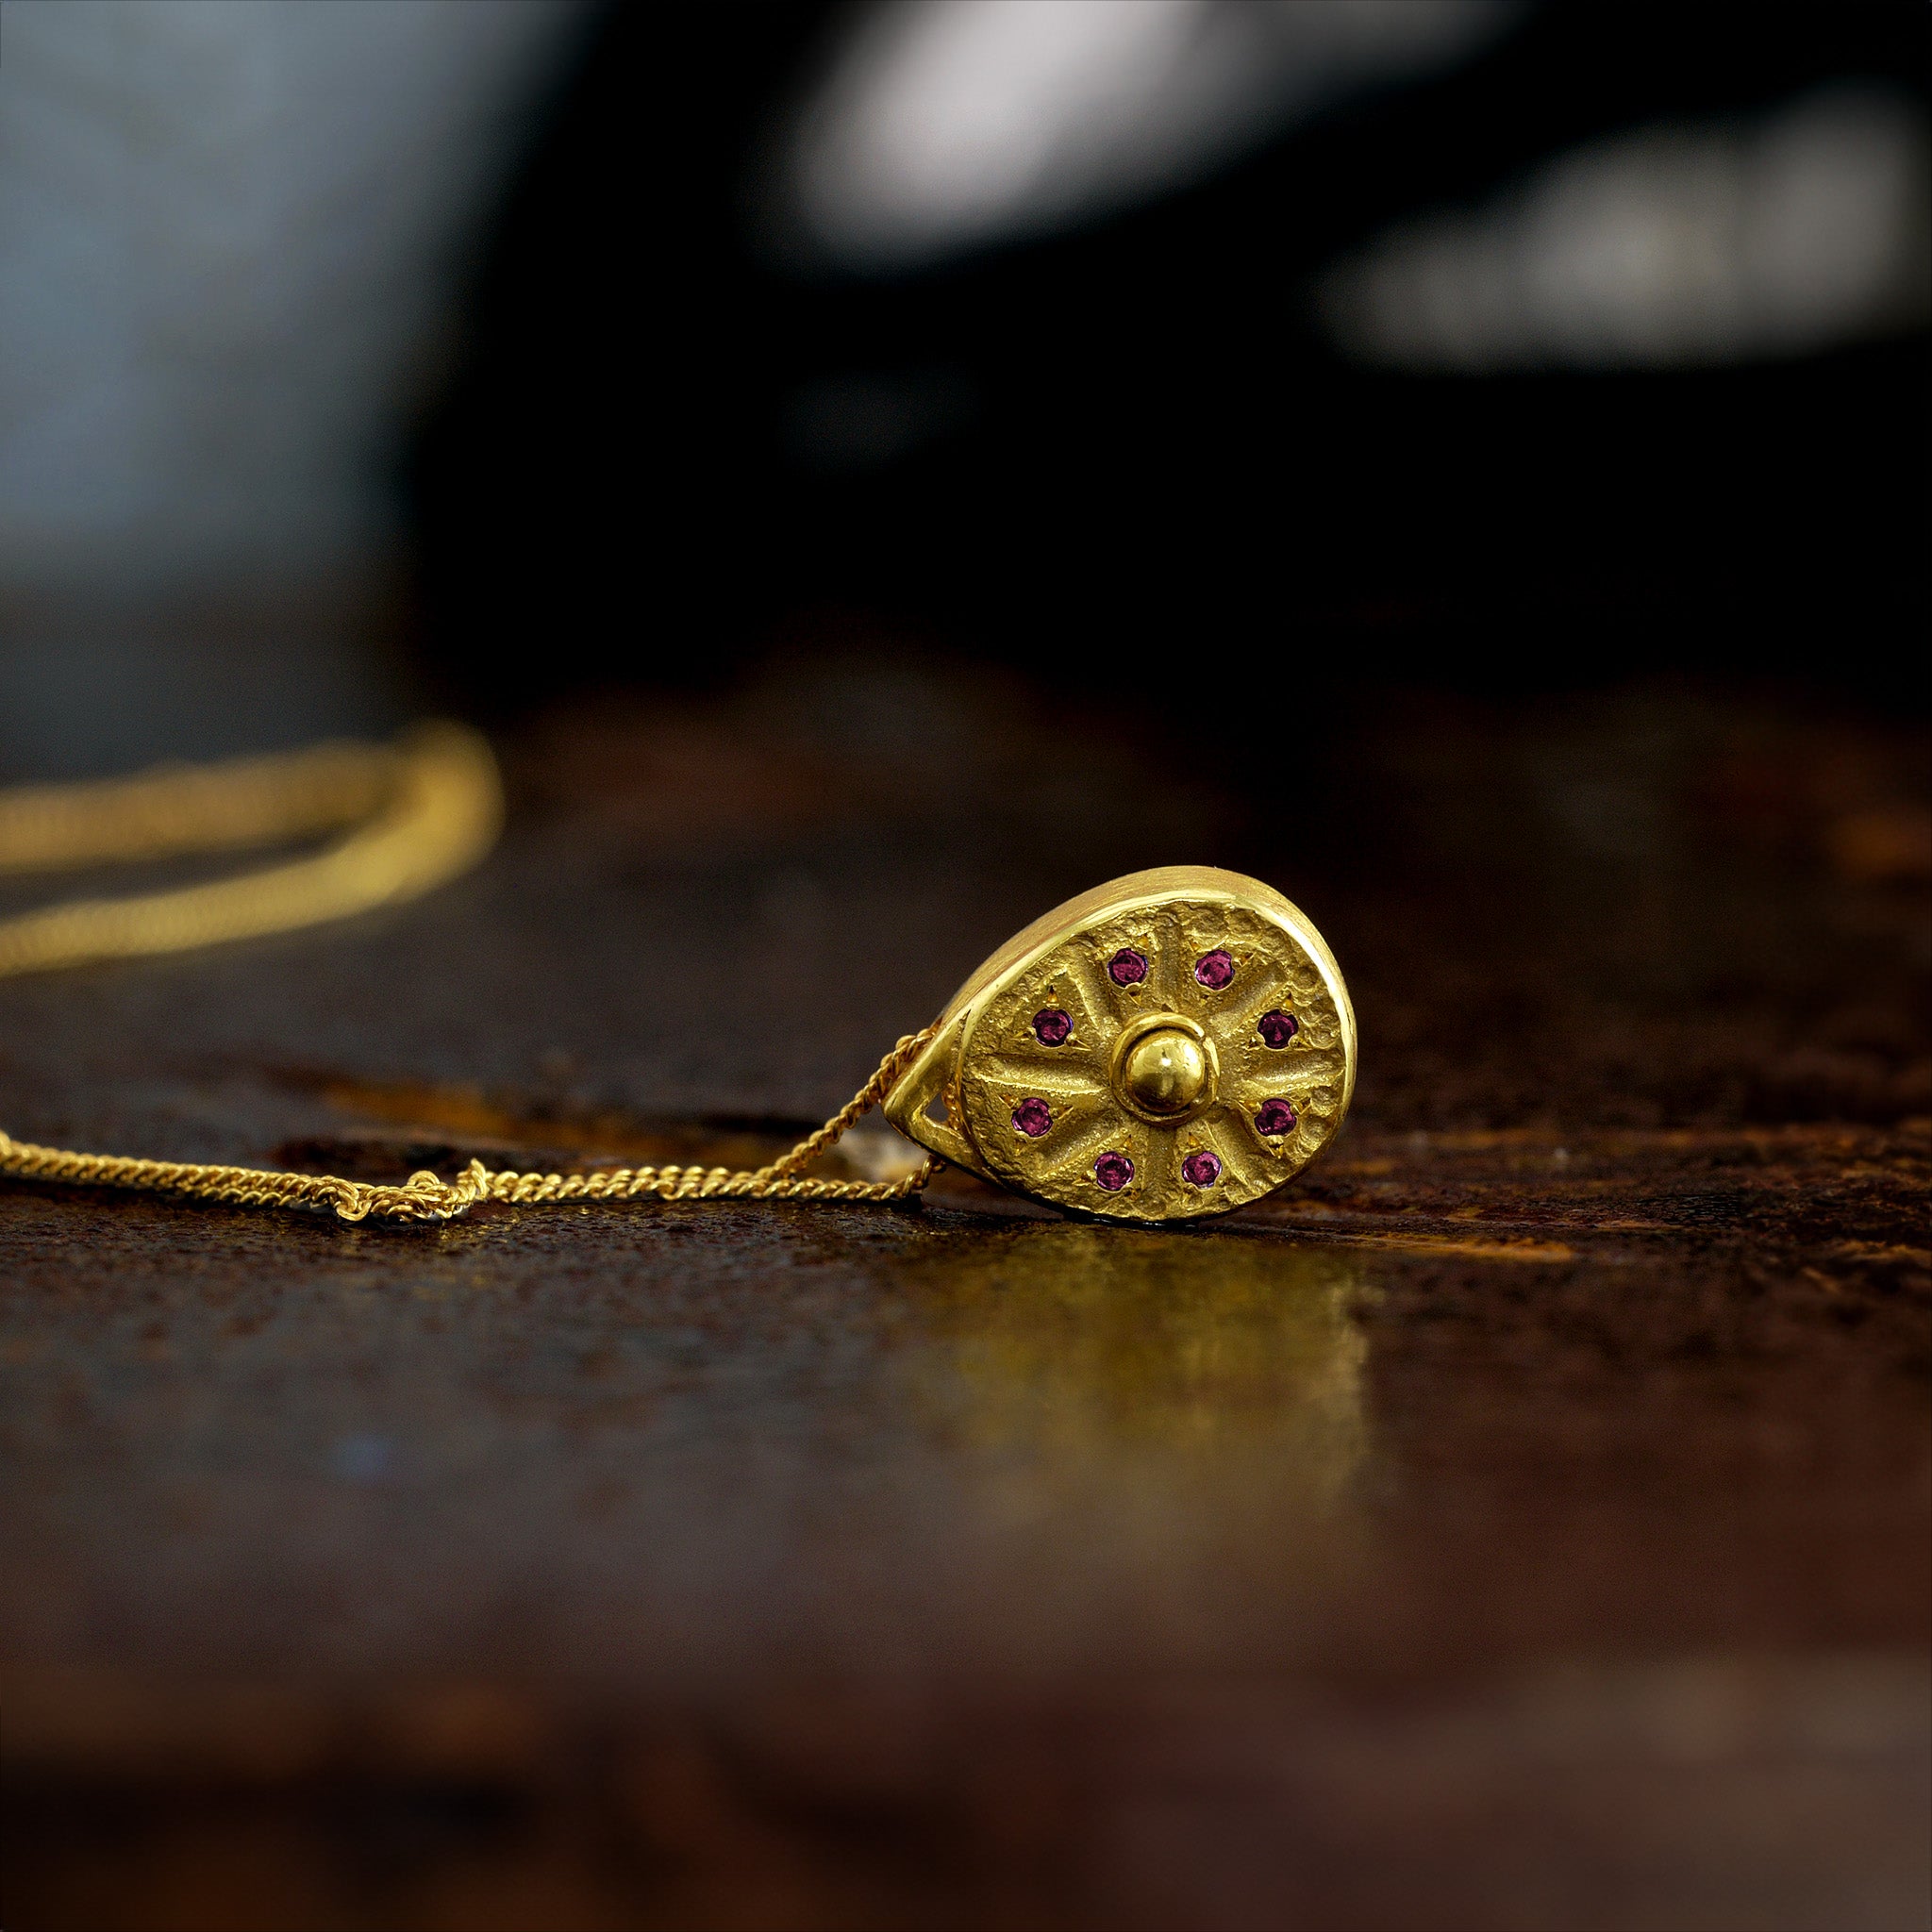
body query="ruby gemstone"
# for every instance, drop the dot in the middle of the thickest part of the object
(1202, 1169)
(1051, 1026)
(1127, 968)
(1276, 1117)
(1113, 1171)
(1277, 1028)
(1032, 1118)
(1214, 969)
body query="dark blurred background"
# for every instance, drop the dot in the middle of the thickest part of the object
(366, 356)
(1499, 349)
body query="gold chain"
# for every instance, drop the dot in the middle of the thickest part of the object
(424, 1197)
(429, 808)
(422, 812)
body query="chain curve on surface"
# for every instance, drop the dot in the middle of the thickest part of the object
(425, 1197)
(419, 813)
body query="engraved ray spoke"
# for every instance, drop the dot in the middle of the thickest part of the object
(1250, 1172)
(1293, 1073)
(1088, 988)
(1024, 1051)
(1166, 974)
(1157, 1166)
(1042, 1076)
(1087, 1144)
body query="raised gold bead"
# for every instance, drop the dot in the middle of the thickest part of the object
(1164, 1073)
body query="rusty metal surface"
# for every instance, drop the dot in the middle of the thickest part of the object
(1521, 1521)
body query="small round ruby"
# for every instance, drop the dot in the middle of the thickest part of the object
(1202, 1169)
(1127, 968)
(1214, 969)
(1051, 1026)
(1276, 1117)
(1277, 1028)
(1032, 1118)
(1113, 1171)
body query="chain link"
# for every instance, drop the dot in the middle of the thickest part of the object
(430, 808)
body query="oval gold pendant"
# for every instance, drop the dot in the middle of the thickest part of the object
(1172, 1043)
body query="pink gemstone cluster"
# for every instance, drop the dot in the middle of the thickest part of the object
(1215, 970)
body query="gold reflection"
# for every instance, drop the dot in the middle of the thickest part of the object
(1089, 1344)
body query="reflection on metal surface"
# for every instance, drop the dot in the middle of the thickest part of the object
(1081, 1345)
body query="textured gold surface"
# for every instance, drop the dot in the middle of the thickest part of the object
(987, 1059)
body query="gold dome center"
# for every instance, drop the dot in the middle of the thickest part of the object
(1164, 1072)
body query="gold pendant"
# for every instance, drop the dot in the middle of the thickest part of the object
(1173, 1044)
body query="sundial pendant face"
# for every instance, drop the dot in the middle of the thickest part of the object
(1173, 1044)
